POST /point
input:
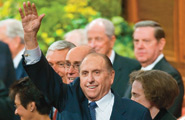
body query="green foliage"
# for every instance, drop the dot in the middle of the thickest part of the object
(62, 16)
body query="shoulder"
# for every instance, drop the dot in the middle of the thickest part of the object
(125, 60)
(164, 65)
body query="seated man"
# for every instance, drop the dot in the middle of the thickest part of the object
(29, 101)
(77, 101)
(156, 90)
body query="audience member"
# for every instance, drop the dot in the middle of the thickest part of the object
(76, 36)
(149, 42)
(96, 74)
(56, 55)
(30, 103)
(7, 77)
(73, 60)
(101, 37)
(11, 32)
(157, 95)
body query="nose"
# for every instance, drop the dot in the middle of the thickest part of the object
(90, 78)
(132, 98)
(16, 113)
(92, 43)
(140, 44)
(71, 70)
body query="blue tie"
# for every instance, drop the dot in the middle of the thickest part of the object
(92, 107)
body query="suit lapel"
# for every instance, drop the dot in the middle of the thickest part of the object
(118, 110)
(85, 110)
(117, 68)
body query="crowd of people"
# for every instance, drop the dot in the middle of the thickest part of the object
(82, 77)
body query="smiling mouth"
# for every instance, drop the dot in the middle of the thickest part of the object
(92, 87)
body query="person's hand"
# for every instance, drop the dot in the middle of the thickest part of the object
(31, 23)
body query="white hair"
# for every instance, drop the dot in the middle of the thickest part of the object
(108, 25)
(13, 28)
(60, 45)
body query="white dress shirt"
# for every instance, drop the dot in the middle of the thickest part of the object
(18, 58)
(104, 107)
(112, 56)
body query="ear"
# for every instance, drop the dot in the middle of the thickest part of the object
(31, 106)
(112, 76)
(162, 43)
(17, 41)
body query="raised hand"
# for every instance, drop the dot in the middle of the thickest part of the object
(31, 23)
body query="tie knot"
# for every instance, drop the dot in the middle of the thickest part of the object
(92, 105)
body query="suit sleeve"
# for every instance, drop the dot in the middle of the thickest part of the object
(6, 105)
(48, 81)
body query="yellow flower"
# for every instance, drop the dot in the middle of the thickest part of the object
(49, 40)
(44, 35)
(59, 32)
(70, 16)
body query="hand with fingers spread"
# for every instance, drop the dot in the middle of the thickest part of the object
(31, 23)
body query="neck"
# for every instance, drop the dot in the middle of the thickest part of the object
(41, 117)
(14, 53)
(154, 111)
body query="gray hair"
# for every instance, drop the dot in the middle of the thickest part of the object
(159, 32)
(60, 45)
(13, 28)
(80, 34)
(109, 26)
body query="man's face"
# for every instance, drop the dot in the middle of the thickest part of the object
(146, 46)
(99, 41)
(24, 113)
(56, 59)
(73, 60)
(95, 79)
(138, 94)
(4, 38)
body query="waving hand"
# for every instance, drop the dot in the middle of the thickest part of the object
(31, 23)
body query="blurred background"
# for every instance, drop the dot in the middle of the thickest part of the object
(63, 16)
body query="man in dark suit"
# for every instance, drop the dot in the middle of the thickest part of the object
(149, 41)
(72, 100)
(6, 65)
(7, 77)
(11, 32)
(101, 37)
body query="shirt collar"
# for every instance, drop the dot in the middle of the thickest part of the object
(18, 58)
(112, 56)
(150, 67)
(105, 101)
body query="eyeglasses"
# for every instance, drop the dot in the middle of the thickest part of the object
(75, 66)
(59, 64)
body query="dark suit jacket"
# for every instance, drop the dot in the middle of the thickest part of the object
(70, 100)
(20, 72)
(164, 65)
(7, 72)
(123, 67)
(7, 77)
